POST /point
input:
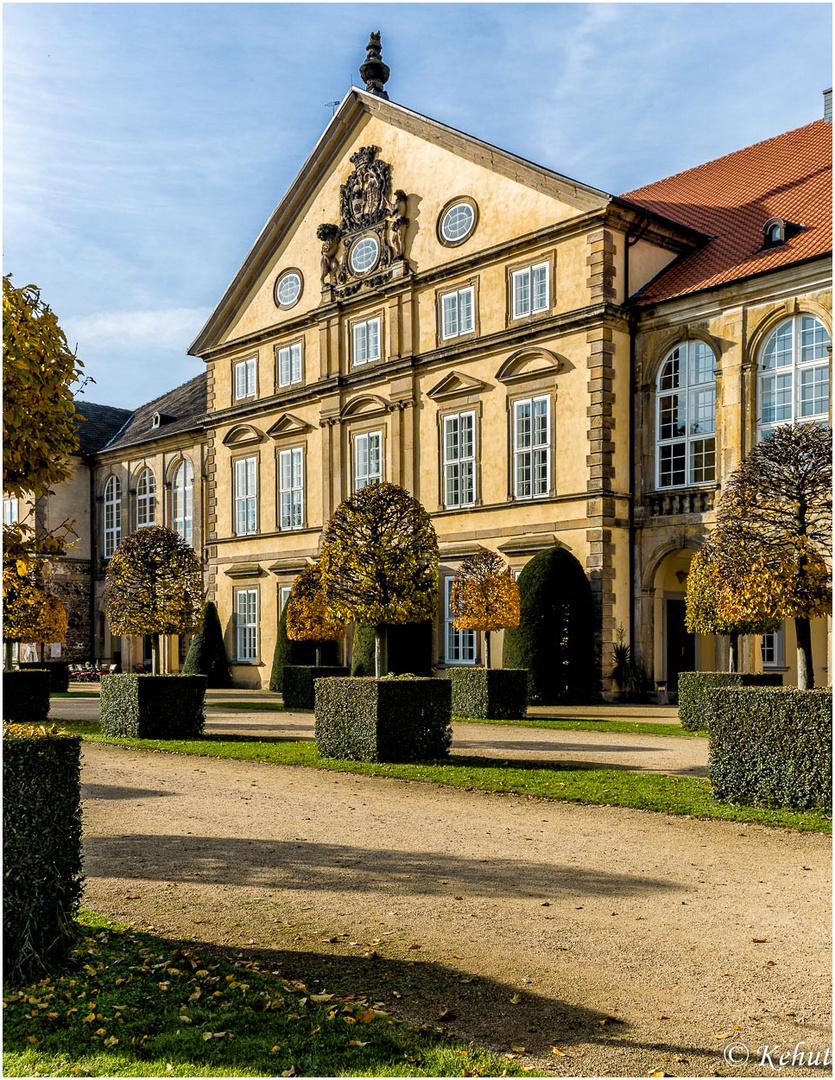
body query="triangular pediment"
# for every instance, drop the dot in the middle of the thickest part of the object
(429, 162)
(456, 384)
(243, 435)
(287, 424)
(529, 363)
(364, 405)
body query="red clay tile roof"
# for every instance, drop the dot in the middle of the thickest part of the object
(730, 199)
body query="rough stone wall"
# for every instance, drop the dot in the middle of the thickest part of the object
(72, 585)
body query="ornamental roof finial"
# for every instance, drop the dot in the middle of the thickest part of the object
(374, 73)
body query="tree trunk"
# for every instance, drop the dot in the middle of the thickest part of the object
(8, 657)
(318, 654)
(734, 660)
(381, 652)
(805, 667)
(487, 649)
(156, 653)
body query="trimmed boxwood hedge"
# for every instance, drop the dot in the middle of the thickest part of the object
(207, 653)
(694, 687)
(410, 649)
(297, 683)
(389, 719)
(26, 696)
(59, 673)
(489, 693)
(771, 747)
(41, 848)
(152, 706)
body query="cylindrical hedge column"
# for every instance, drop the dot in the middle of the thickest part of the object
(41, 847)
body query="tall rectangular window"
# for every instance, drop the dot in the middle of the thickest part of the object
(458, 313)
(283, 597)
(112, 515)
(459, 460)
(531, 447)
(366, 341)
(10, 511)
(291, 488)
(531, 290)
(245, 378)
(368, 459)
(773, 649)
(290, 364)
(459, 645)
(246, 624)
(246, 496)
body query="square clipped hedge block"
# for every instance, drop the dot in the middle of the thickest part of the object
(297, 683)
(489, 693)
(771, 747)
(393, 719)
(152, 706)
(26, 696)
(41, 848)
(59, 671)
(694, 686)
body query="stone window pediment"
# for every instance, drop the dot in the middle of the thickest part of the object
(456, 384)
(529, 364)
(243, 435)
(287, 424)
(367, 405)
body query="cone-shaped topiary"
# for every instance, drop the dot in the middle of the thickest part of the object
(410, 649)
(555, 636)
(207, 653)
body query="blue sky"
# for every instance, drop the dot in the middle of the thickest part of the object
(145, 145)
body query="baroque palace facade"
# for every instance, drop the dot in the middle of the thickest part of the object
(537, 361)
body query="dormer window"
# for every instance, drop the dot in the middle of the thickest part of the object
(156, 420)
(777, 231)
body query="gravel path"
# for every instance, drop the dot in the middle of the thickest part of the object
(628, 940)
(583, 749)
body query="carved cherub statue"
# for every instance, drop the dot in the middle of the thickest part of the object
(398, 221)
(329, 235)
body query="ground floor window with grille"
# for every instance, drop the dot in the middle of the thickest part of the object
(459, 645)
(246, 624)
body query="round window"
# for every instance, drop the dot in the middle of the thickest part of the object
(458, 222)
(288, 289)
(364, 254)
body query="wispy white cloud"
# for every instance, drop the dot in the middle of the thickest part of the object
(156, 328)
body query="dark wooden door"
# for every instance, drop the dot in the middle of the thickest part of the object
(681, 646)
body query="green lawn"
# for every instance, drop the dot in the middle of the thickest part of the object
(628, 727)
(73, 693)
(133, 1004)
(608, 787)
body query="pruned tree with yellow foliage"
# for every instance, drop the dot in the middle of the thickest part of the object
(379, 562)
(773, 536)
(713, 606)
(154, 586)
(484, 596)
(309, 615)
(30, 612)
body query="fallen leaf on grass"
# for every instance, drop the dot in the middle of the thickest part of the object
(516, 999)
(319, 998)
(759, 940)
(723, 1035)
(555, 1050)
(517, 1049)
(111, 1041)
(365, 1017)
(290, 1072)
(446, 1014)
(31, 1038)
(662, 1016)
(206, 1036)
(275, 1048)
(659, 1072)
(356, 1042)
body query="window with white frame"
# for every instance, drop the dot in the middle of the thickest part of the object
(459, 645)
(459, 460)
(246, 496)
(246, 378)
(531, 447)
(283, 597)
(531, 290)
(290, 364)
(368, 459)
(10, 511)
(366, 341)
(793, 374)
(146, 499)
(112, 515)
(686, 417)
(773, 648)
(182, 500)
(458, 312)
(246, 624)
(291, 488)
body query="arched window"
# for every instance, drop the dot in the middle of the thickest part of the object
(112, 515)
(182, 500)
(686, 417)
(146, 497)
(793, 385)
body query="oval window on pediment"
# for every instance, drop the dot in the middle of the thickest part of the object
(457, 221)
(288, 288)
